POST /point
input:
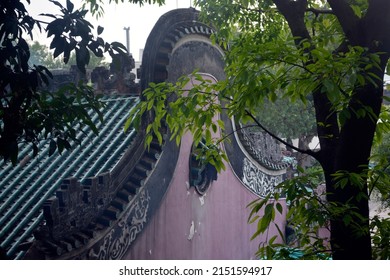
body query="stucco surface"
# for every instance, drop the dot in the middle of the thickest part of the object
(190, 226)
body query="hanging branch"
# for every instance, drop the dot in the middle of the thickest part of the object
(307, 152)
(320, 11)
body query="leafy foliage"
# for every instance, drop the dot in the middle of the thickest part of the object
(307, 215)
(189, 109)
(288, 119)
(66, 29)
(46, 117)
(380, 229)
(331, 53)
(28, 113)
(96, 6)
(274, 55)
(41, 55)
(379, 184)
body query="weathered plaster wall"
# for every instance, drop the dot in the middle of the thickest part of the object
(189, 226)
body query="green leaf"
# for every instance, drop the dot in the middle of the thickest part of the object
(52, 147)
(347, 219)
(272, 240)
(69, 6)
(100, 30)
(357, 10)
(281, 233)
(82, 58)
(269, 208)
(279, 207)
(254, 219)
(264, 223)
(119, 47)
(256, 206)
(256, 234)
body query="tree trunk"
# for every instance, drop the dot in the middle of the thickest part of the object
(350, 234)
(303, 144)
(346, 149)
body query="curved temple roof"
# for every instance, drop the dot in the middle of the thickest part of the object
(25, 188)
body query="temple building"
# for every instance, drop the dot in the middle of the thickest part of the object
(111, 198)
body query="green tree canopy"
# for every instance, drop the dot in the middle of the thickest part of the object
(287, 119)
(290, 120)
(96, 6)
(332, 52)
(28, 113)
(41, 55)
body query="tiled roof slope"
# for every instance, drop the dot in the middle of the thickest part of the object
(25, 188)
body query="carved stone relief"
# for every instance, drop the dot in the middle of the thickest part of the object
(263, 148)
(118, 241)
(257, 181)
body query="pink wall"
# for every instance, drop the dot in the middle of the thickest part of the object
(189, 226)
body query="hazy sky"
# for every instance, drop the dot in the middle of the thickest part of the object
(117, 16)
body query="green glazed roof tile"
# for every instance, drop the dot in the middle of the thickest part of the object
(24, 188)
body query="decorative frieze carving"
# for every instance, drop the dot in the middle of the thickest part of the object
(118, 240)
(257, 181)
(263, 148)
(76, 205)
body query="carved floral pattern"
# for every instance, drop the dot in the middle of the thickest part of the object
(263, 148)
(257, 181)
(119, 239)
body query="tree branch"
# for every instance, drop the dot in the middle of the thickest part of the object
(377, 25)
(307, 152)
(347, 18)
(294, 13)
(234, 131)
(250, 9)
(320, 11)
(327, 125)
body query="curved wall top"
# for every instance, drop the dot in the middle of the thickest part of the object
(178, 44)
(170, 32)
